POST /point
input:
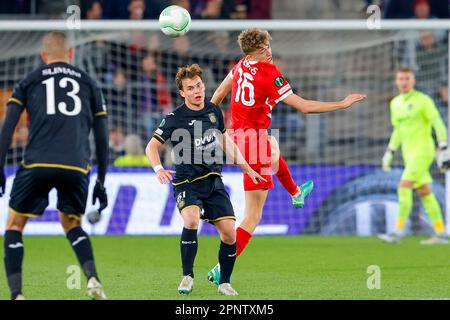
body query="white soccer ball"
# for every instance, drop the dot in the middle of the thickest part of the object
(174, 21)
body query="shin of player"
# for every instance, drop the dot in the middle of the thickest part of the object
(414, 137)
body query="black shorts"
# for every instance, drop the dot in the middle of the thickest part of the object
(209, 194)
(29, 194)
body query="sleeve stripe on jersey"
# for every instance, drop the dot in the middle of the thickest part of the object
(284, 96)
(15, 101)
(159, 138)
(284, 89)
(101, 113)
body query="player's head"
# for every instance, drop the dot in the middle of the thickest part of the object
(56, 47)
(255, 43)
(189, 82)
(405, 80)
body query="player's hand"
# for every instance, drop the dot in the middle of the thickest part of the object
(255, 176)
(2, 182)
(352, 99)
(443, 157)
(165, 176)
(100, 194)
(387, 160)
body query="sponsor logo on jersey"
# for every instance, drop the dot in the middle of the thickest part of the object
(192, 122)
(279, 81)
(163, 122)
(208, 138)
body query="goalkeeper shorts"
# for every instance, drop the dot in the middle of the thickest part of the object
(418, 171)
(209, 195)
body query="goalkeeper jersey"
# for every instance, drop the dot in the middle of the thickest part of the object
(413, 115)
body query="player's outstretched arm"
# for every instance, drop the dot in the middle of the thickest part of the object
(222, 91)
(152, 152)
(312, 106)
(234, 154)
(9, 125)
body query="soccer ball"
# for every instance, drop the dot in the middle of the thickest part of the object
(174, 21)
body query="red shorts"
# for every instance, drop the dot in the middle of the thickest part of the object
(257, 153)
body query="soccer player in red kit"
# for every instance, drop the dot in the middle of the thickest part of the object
(257, 86)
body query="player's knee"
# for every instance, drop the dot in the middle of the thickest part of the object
(424, 190)
(69, 223)
(15, 222)
(274, 149)
(191, 219)
(228, 236)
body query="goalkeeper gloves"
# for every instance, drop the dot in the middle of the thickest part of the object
(443, 157)
(100, 194)
(387, 160)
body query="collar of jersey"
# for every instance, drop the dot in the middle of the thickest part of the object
(408, 95)
(251, 62)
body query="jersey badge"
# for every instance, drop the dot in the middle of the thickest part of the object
(212, 117)
(279, 81)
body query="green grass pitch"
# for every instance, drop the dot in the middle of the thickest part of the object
(304, 267)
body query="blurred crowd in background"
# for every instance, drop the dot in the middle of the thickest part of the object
(230, 9)
(141, 73)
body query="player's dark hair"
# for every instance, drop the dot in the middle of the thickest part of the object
(187, 72)
(252, 39)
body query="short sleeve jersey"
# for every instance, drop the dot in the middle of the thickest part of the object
(195, 138)
(257, 87)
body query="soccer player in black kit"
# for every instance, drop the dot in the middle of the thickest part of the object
(63, 105)
(197, 131)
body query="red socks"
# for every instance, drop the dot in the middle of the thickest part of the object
(284, 176)
(242, 239)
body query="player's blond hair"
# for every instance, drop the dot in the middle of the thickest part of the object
(187, 72)
(252, 39)
(56, 44)
(405, 70)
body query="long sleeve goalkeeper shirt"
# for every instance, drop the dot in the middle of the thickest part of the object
(413, 116)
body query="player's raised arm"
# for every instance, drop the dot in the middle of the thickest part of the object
(312, 106)
(232, 151)
(222, 91)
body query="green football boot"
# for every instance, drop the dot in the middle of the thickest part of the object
(214, 275)
(305, 189)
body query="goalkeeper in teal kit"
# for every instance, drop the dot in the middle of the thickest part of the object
(413, 116)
